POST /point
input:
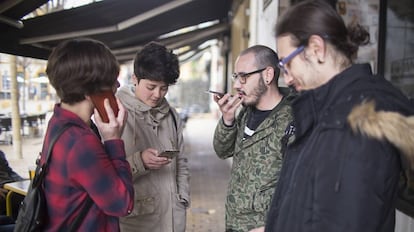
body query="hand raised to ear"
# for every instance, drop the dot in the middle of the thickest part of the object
(114, 128)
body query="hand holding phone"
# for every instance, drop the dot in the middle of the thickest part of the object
(98, 101)
(170, 154)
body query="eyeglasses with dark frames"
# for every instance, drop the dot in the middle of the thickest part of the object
(288, 58)
(243, 76)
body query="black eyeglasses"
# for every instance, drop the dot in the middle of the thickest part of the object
(288, 58)
(243, 76)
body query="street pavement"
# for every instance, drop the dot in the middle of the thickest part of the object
(209, 177)
(209, 174)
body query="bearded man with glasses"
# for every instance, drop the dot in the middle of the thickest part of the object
(253, 136)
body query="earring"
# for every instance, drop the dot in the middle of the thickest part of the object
(320, 61)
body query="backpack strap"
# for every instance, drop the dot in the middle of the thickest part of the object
(86, 206)
(42, 169)
(42, 173)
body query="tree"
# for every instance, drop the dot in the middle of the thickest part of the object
(16, 120)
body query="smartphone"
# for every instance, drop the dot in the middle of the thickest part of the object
(170, 154)
(98, 101)
(216, 93)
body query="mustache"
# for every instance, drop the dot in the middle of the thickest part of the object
(242, 92)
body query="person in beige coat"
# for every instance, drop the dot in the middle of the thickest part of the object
(161, 184)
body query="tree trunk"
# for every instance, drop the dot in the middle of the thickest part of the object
(16, 121)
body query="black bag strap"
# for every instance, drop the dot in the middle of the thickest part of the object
(76, 223)
(53, 141)
(42, 169)
(39, 180)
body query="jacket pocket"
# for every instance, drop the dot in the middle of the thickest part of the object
(180, 201)
(143, 205)
(262, 198)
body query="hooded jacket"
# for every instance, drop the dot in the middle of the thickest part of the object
(333, 179)
(161, 196)
(256, 165)
(396, 129)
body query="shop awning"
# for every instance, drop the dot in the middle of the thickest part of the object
(123, 25)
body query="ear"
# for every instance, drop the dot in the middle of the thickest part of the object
(89, 99)
(134, 79)
(269, 75)
(317, 48)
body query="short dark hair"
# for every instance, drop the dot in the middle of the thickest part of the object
(155, 62)
(81, 67)
(264, 57)
(316, 17)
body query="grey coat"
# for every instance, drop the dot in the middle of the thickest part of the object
(161, 196)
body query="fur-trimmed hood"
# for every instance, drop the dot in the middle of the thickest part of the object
(385, 125)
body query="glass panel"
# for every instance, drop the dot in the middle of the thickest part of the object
(399, 58)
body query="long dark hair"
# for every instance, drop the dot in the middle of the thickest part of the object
(319, 18)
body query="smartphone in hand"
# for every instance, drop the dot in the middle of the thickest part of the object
(98, 101)
(220, 95)
(170, 154)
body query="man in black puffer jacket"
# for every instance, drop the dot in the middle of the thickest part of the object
(333, 179)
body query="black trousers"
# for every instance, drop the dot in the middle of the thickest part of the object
(6, 223)
(16, 200)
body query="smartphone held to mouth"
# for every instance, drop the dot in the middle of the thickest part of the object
(220, 95)
(98, 101)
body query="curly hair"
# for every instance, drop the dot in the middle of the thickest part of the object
(81, 67)
(155, 62)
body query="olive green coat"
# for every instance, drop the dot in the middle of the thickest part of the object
(256, 165)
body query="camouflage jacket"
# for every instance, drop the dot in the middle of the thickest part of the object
(256, 165)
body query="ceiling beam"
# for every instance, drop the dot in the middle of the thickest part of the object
(179, 40)
(15, 23)
(182, 40)
(174, 42)
(7, 4)
(4, 6)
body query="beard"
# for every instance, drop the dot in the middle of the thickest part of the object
(256, 94)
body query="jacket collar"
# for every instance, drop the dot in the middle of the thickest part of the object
(262, 130)
(65, 116)
(310, 104)
(152, 115)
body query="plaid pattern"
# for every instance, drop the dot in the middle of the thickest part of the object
(81, 165)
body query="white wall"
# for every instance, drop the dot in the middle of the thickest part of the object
(262, 25)
(262, 22)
